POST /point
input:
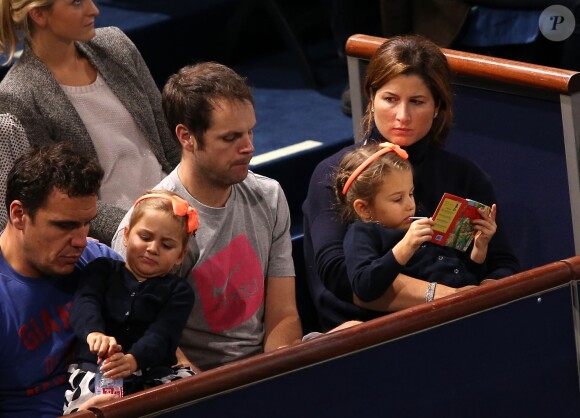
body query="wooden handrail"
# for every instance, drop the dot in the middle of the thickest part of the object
(86, 414)
(475, 65)
(329, 346)
(574, 264)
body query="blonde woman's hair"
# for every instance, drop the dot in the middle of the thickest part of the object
(15, 23)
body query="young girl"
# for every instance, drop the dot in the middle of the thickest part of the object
(374, 187)
(138, 306)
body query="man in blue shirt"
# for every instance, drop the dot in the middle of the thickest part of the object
(50, 200)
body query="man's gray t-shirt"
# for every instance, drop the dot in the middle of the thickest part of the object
(235, 248)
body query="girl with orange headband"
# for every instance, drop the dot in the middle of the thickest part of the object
(374, 188)
(131, 314)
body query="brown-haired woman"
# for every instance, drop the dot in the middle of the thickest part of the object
(408, 84)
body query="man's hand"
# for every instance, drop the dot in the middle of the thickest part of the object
(96, 401)
(182, 360)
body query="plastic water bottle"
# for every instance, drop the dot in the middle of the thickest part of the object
(106, 385)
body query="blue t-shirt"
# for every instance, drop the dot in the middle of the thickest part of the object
(37, 339)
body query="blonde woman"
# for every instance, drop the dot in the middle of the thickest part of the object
(90, 87)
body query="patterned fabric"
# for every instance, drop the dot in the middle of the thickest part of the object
(81, 384)
(13, 144)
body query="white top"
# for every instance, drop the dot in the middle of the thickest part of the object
(123, 151)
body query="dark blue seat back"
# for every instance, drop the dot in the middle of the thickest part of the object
(518, 140)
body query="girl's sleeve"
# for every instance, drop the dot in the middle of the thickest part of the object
(85, 312)
(160, 340)
(370, 263)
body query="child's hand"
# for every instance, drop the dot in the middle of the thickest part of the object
(102, 345)
(486, 228)
(419, 232)
(119, 365)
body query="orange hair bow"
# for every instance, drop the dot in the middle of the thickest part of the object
(385, 147)
(180, 208)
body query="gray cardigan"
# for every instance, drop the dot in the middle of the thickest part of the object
(30, 92)
(13, 144)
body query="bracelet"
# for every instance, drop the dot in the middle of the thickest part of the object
(430, 294)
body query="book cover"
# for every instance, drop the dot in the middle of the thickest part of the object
(453, 221)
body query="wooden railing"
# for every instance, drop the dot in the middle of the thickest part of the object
(261, 368)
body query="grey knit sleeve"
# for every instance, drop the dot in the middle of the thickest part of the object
(104, 225)
(13, 143)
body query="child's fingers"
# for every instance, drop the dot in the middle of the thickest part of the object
(420, 234)
(113, 348)
(119, 371)
(486, 221)
(422, 226)
(93, 341)
(491, 215)
(103, 347)
(111, 362)
(424, 222)
(105, 344)
(484, 231)
(117, 366)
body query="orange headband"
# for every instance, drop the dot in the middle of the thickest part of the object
(385, 147)
(180, 208)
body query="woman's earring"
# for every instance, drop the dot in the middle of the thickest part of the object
(435, 115)
(373, 109)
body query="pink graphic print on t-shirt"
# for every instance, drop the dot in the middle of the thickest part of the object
(230, 285)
